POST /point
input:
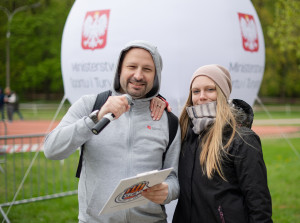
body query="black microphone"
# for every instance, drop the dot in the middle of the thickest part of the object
(99, 126)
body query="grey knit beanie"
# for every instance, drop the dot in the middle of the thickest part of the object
(218, 74)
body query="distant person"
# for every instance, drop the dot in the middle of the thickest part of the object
(12, 104)
(222, 174)
(2, 104)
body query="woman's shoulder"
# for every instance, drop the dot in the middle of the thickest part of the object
(244, 133)
(245, 141)
(241, 133)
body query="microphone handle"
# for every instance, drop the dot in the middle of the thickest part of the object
(98, 127)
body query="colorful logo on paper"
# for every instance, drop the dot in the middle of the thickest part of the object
(249, 32)
(94, 30)
(132, 193)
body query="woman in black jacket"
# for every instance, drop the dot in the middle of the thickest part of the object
(222, 173)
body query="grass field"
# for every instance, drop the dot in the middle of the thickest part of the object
(283, 177)
(47, 177)
(283, 167)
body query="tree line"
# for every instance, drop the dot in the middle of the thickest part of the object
(280, 22)
(36, 33)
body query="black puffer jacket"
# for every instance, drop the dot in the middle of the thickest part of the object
(243, 198)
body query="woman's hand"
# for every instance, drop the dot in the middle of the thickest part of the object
(157, 107)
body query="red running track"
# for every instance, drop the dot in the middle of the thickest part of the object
(39, 127)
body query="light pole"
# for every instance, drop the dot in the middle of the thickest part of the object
(10, 15)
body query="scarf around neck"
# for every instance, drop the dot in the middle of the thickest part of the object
(202, 115)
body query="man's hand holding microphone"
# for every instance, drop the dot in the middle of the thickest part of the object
(113, 108)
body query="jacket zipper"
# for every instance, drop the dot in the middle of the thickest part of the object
(129, 157)
(221, 214)
(129, 152)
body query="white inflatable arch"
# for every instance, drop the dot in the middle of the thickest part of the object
(188, 34)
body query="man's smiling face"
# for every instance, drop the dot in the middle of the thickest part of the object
(137, 73)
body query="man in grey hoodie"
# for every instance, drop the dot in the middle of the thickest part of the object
(131, 144)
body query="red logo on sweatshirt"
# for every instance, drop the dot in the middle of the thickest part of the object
(148, 126)
(249, 32)
(94, 31)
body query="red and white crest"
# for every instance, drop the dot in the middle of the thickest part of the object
(94, 31)
(249, 32)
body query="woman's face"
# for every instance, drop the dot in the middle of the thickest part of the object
(203, 90)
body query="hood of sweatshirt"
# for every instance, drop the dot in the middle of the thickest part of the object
(156, 59)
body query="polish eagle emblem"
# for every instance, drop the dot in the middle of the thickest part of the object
(94, 32)
(249, 32)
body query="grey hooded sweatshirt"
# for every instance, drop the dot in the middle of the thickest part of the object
(129, 145)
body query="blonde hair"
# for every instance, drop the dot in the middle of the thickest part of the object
(212, 143)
